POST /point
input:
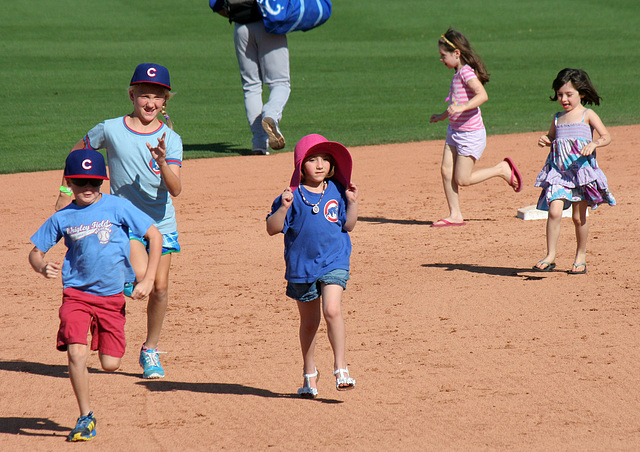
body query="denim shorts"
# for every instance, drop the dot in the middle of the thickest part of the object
(305, 292)
(169, 242)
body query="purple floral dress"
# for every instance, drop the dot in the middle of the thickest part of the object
(569, 175)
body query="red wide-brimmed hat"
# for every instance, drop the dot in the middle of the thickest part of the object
(317, 144)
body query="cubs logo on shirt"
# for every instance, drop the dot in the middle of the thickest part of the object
(331, 211)
(154, 166)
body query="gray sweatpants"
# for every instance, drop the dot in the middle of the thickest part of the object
(262, 58)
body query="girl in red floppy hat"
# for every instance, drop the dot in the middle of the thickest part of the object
(316, 213)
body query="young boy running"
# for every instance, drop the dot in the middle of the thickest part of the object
(95, 228)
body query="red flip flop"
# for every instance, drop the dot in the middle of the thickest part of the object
(516, 173)
(446, 224)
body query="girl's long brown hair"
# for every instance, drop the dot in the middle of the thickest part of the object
(456, 40)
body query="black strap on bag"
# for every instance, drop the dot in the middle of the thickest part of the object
(242, 11)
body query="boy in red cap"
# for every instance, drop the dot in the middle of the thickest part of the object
(95, 230)
(316, 213)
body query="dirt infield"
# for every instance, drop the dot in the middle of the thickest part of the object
(454, 341)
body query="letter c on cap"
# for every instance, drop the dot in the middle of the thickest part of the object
(87, 164)
(151, 72)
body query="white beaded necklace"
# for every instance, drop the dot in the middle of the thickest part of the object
(314, 207)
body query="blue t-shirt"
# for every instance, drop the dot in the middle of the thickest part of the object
(315, 244)
(133, 173)
(97, 241)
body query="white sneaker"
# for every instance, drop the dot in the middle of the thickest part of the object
(260, 152)
(276, 140)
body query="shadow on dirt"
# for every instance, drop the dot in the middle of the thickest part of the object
(213, 149)
(496, 271)
(382, 220)
(221, 388)
(49, 370)
(31, 426)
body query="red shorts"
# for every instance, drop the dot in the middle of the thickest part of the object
(104, 315)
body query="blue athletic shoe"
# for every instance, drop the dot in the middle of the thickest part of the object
(150, 362)
(85, 429)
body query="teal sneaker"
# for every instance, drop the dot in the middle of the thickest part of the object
(85, 429)
(150, 363)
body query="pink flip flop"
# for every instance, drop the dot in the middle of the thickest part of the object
(516, 173)
(446, 224)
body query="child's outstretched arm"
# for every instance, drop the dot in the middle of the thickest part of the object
(352, 207)
(595, 122)
(144, 287)
(275, 221)
(170, 173)
(49, 270)
(439, 117)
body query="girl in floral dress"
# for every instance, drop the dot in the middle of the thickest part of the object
(571, 175)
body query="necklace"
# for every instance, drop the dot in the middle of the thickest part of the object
(314, 207)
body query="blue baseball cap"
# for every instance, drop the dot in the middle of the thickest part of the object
(85, 164)
(151, 73)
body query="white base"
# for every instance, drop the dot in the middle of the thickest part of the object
(531, 213)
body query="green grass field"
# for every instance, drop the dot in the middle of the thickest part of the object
(370, 75)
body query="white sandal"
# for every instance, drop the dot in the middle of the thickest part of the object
(307, 391)
(344, 383)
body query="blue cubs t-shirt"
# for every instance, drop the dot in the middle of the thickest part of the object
(133, 173)
(315, 244)
(97, 241)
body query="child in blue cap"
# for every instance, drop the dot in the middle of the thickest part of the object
(95, 230)
(145, 158)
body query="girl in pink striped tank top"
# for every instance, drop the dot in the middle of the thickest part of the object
(466, 135)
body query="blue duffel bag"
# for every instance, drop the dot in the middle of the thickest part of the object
(284, 16)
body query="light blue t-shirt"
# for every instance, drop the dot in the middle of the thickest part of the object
(97, 241)
(133, 173)
(315, 244)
